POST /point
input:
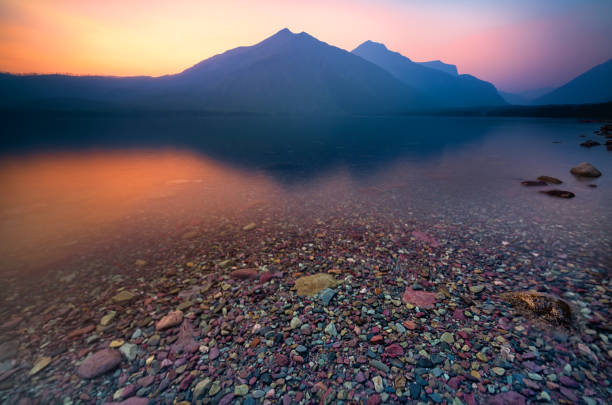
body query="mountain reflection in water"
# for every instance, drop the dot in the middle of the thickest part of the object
(76, 182)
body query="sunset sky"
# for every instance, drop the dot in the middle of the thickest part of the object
(518, 45)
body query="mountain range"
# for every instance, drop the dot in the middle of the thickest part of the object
(286, 73)
(444, 89)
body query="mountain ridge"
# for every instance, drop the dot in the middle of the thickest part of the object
(443, 88)
(592, 86)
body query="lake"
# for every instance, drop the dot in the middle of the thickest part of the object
(72, 182)
(154, 204)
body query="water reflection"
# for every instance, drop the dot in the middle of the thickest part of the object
(290, 149)
(71, 184)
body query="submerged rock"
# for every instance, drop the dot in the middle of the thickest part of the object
(124, 296)
(311, 285)
(99, 363)
(590, 143)
(172, 319)
(40, 364)
(532, 183)
(559, 193)
(507, 398)
(244, 274)
(421, 299)
(551, 180)
(585, 170)
(542, 306)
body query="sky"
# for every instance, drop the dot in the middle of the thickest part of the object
(517, 45)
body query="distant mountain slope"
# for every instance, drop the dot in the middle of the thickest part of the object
(445, 89)
(524, 97)
(593, 86)
(286, 73)
(441, 66)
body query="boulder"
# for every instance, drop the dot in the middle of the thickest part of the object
(585, 170)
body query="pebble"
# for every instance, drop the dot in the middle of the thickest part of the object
(378, 384)
(42, 363)
(173, 318)
(108, 318)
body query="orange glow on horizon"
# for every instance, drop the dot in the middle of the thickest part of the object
(157, 37)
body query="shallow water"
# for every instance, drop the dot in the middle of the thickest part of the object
(109, 224)
(74, 183)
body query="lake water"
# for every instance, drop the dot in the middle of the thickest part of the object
(164, 209)
(74, 183)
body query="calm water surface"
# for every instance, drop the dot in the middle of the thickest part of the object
(79, 187)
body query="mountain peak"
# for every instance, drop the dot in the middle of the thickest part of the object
(284, 32)
(372, 44)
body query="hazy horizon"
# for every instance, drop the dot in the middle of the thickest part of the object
(482, 39)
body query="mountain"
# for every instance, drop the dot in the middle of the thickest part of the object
(593, 86)
(441, 66)
(524, 97)
(285, 73)
(445, 89)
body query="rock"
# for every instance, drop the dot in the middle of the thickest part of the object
(327, 295)
(108, 318)
(124, 296)
(394, 350)
(200, 388)
(551, 180)
(244, 274)
(39, 365)
(448, 338)
(214, 389)
(378, 384)
(421, 299)
(129, 351)
(99, 363)
(415, 391)
(116, 343)
(585, 170)
(423, 237)
(241, 390)
(330, 329)
(559, 193)
(543, 306)
(189, 235)
(498, 370)
(8, 350)
(311, 285)
(507, 398)
(379, 365)
(589, 143)
(249, 227)
(295, 322)
(214, 353)
(477, 289)
(80, 332)
(531, 183)
(130, 401)
(173, 318)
